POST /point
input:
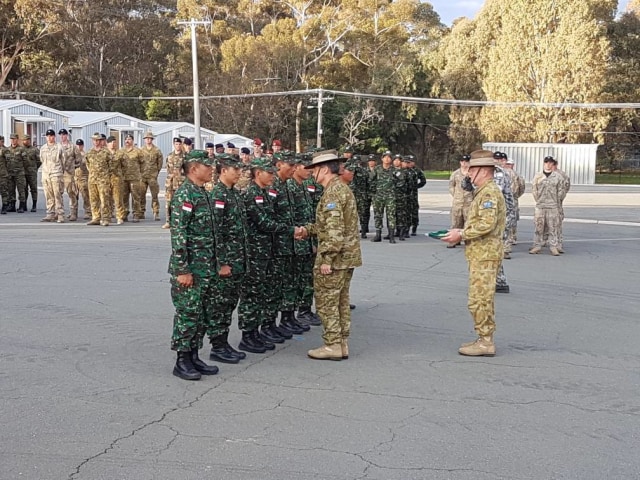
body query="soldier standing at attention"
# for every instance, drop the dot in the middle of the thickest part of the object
(245, 175)
(566, 185)
(191, 267)
(52, 182)
(4, 178)
(15, 168)
(117, 174)
(71, 161)
(230, 234)
(31, 166)
(256, 289)
(82, 179)
(284, 296)
(401, 189)
(419, 181)
(482, 235)
(99, 165)
(360, 188)
(336, 227)
(151, 166)
(381, 182)
(518, 187)
(547, 191)
(462, 198)
(132, 194)
(174, 175)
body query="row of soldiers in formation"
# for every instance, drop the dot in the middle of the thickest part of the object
(549, 189)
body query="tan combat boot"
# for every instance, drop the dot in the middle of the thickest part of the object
(156, 217)
(326, 352)
(166, 225)
(534, 250)
(73, 216)
(554, 251)
(94, 222)
(345, 348)
(48, 218)
(482, 347)
(60, 219)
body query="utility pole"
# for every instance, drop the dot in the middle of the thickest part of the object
(319, 132)
(196, 89)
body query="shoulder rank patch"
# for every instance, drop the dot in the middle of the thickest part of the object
(259, 200)
(273, 193)
(219, 204)
(331, 206)
(311, 188)
(187, 207)
(487, 204)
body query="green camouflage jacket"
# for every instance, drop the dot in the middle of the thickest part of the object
(303, 213)
(283, 209)
(230, 231)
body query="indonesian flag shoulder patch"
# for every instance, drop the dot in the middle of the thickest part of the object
(219, 204)
(311, 188)
(259, 200)
(187, 207)
(273, 193)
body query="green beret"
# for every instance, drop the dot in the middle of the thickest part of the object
(199, 156)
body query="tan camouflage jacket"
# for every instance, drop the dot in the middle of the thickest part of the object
(99, 165)
(132, 163)
(151, 162)
(459, 194)
(336, 227)
(70, 159)
(485, 223)
(175, 176)
(548, 192)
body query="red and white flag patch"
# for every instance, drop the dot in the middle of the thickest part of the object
(273, 193)
(187, 207)
(219, 204)
(311, 188)
(259, 200)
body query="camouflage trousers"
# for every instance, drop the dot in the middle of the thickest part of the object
(99, 193)
(31, 186)
(69, 186)
(363, 206)
(53, 195)
(303, 268)
(546, 221)
(194, 311)
(226, 293)
(560, 221)
(501, 278)
(82, 182)
(414, 209)
(116, 198)
(403, 217)
(152, 185)
(132, 198)
(482, 290)
(16, 181)
(286, 278)
(4, 187)
(255, 290)
(458, 215)
(384, 204)
(331, 293)
(366, 215)
(168, 195)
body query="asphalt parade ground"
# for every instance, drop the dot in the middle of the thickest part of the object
(86, 390)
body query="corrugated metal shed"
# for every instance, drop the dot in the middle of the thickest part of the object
(238, 140)
(25, 117)
(577, 160)
(84, 124)
(166, 131)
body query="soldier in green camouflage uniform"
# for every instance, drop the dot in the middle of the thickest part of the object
(401, 189)
(382, 185)
(284, 298)
(257, 287)
(99, 165)
(4, 178)
(303, 213)
(31, 166)
(230, 233)
(336, 226)
(191, 267)
(482, 235)
(15, 168)
(360, 188)
(418, 180)
(174, 175)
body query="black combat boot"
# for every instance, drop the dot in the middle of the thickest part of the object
(270, 334)
(414, 230)
(400, 234)
(283, 332)
(261, 341)
(200, 366)
(34, 204)
(220, 352)
(240, 355)
(249, 343)
(11, 208)
(406, 232)
(290, 324)
(294, 320)
(398, 230)
(306, 316)
(184, 367)
(391, 238)
(378, 237)
(22, 207)
(363, 232)
(4, 210)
